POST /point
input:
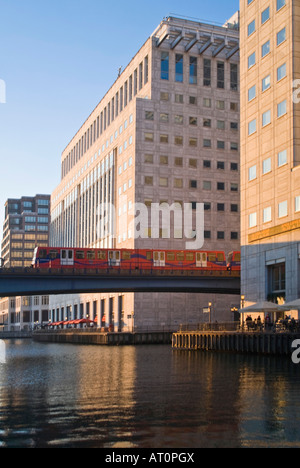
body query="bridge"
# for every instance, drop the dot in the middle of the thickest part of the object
(30, 282)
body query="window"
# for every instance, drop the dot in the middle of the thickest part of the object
(179, 98)
(252, 127)
(193, 70)
(252, 220)
(207, 143)
(206, 72)
(265, 15)
(220, 235)
(267, 165)
(163, 182)
(206, 185)
(206, 102)
(220, 206)
(234, 146)
(163, 160)
(149, 137)
(276, 281)
(221, 124)
(163, 117)
(178, 119)
(251, 93)
(281, 36)
(207, 123)
(297, 203)
(281, 72)
(252, 173)
(265, 49)
(251, 60)
(148, 180)
(178, 183)
(193, 120)
(282, 158)
(178, 140)
(220, 75)
(220, 186)
(193, 184)
(164, 64)
(193, 100)
(149, 115)
(267, 215)
(220, 105)
(266, 118)
(281, 108)
(164, 138)
(266, 83)
(179, 68)
(251, 28)
(280, 4)
(233, 76)
(282, 209)
(220, 144)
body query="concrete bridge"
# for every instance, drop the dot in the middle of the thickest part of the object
(30, 282)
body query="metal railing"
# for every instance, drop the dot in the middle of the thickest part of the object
(282, 326)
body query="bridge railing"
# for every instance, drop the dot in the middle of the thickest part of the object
(141, 270)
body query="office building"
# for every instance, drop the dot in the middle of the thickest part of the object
(25, 227)
(167, 131)
(270, 150)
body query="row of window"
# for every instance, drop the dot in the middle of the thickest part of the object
(192, 142)
(282, 211)
(219, 235)
(192, 120)
(180, 61)
(179, 183)
(279, 3)
(207, 102)
(266, 117)
(192, 162)
(234, 208)
(267, 165)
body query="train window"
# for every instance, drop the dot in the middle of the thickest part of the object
(79, 254)
(170, 256)
(53, 254)
(43, 253)
(237, 257)
(101, 254)
(126, 255)
(190, 256)
(149, 255)
(212, 257)
(180, 256)
(70, 254)
(162, 255)
(155, 255)
(220, 257)
(90, 255)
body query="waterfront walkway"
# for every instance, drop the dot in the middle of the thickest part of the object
(270, 339)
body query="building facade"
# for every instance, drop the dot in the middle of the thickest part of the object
(166, 132)
(270, 151)
(26, 225)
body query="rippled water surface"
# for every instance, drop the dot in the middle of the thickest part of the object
(145, 396)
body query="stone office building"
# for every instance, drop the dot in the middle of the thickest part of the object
(167, 131)
(270, 150)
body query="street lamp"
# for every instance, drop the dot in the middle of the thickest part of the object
(209, 308)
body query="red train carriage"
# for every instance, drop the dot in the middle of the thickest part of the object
(51, 257)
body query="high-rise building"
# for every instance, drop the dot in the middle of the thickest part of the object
(167, 131)
(25, 227)
(270, 150)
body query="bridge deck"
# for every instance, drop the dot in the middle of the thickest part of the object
(28, 281)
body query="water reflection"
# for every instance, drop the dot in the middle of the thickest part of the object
(147, 396)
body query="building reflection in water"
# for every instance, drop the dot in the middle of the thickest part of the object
(145, 396)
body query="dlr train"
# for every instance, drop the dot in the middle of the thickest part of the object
(80, 258)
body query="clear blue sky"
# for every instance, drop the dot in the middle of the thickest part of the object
(58, 58)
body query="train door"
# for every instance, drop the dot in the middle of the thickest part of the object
(159, 259)
(201, 259)
(114, 258)
(67, 257)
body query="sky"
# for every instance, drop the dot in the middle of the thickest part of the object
(57, 60)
